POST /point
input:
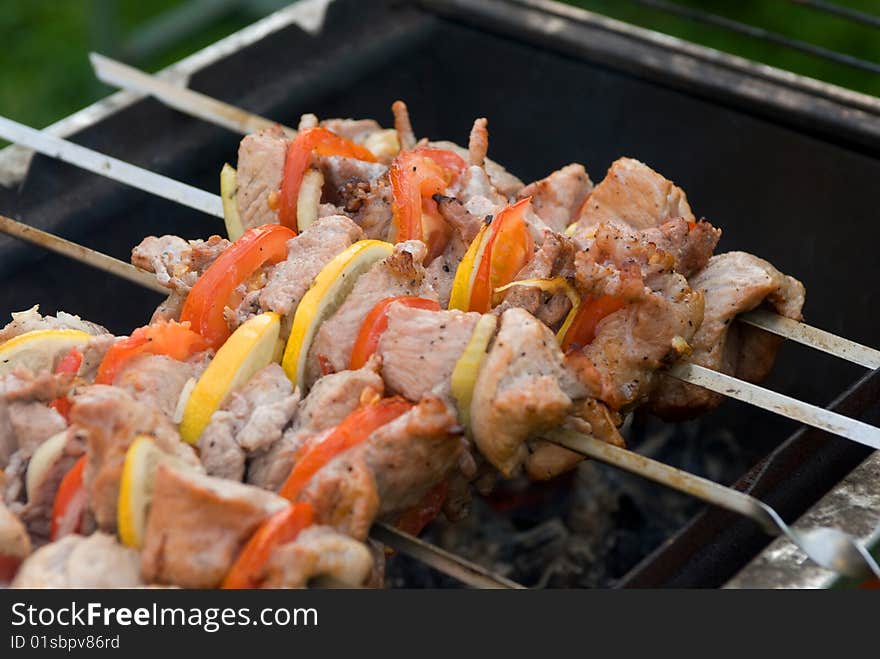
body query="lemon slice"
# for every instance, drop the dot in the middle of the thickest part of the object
(328, 292)
(464, 375)
(460, 298)
(251, 347)
(229, 195)
(136, 488)
(37, 350)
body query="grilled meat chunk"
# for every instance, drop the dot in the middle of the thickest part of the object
(660, 315)
(332, 399)
(31, 320)
(110, 419)
(248, 422)
(26, 420)
(158, 379)
(557, 198)
(691, 244)
(502, 181)
(635, 195)
(389, 472)
(177, 264)
(14, 539)
(733, 283)
(420, 348)
(401, 273)
(75, 561)
(523, 388)
(31, 492)
(554, 258)
(198, 524)
(307, 254)
(320, 556)
(261, 159)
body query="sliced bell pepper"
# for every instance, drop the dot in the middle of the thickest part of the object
(353, 430)
(176, 340)
(582, 330)
(376, 323)
(299, 153)
(508, 249)
(423, 513)
(70, 502)
(70, 364)
(211, 293)
(279, 529)
(416, 176)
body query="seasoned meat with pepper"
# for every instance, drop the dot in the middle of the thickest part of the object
(320, 556)
(197, 526)
(557, 198)
(733, 283)
(260, 168)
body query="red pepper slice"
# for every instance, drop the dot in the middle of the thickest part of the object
(211, 293)
(423, 513)
(353, 430)
(279, 529)
(416, 176)
(70, 502)
(583, 327)
(176, 340)
(70, 363)
(508, 250)
(299, 154)
(8, 567)
(376, 323)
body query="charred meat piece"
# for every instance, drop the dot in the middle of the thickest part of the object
(733, 283)
(691, 244)
(554, 258)
(75, 561)
(248, 422)
(402, 273)
(660, 314)
(389, 472)
(420, 348)
(332, 399)
(197, 526)
(110, 419)
(557, 198)
(523, 389)
(320, 556)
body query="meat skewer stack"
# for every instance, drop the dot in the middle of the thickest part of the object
(487, 313)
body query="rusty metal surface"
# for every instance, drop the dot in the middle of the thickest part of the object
(853, 506)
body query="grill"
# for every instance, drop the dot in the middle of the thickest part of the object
(784, 164)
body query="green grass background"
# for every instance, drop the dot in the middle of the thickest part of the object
(45, 75)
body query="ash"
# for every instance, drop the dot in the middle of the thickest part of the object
(588, 528)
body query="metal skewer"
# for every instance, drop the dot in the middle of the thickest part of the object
(228, 116)
(80, 253)
(110, 167)
(183, 99)
(828, 547)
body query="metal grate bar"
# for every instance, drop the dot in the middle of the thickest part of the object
(849, 13)
(760, 33)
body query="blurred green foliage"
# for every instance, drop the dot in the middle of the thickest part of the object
(45, 74)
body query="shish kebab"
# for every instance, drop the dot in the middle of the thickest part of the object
(827, 547)
(531, 282)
